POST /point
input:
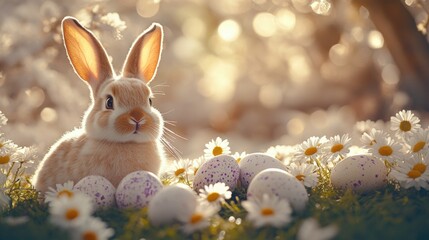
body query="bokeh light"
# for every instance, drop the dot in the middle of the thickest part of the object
(264, 24)
(375, 39)
(229, 30)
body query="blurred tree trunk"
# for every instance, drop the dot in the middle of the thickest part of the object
(408, 47)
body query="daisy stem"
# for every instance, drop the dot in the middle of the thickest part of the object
(230, 207)
(9, 170)
(323, 172)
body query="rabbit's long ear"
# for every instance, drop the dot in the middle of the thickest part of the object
(86, 54)
(144, 55)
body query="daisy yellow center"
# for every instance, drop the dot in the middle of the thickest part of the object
(217, 151)
(337, 147)
(310, 151)
(419, 146)
(267, 211)
(238, 160)
(300, 177)
(405, 126)
(4, 159)
(213, 196)
(179, 171)
(1, 145)
(420, 167)
(65, 192)
(385, 151)
(414, 174)
(72, 213)
(89, 235)
(196, 218)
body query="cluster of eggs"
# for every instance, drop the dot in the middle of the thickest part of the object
(258, 173)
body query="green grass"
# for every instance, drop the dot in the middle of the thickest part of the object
(389, 213)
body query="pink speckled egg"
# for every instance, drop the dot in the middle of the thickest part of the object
(172, 202)
(99, 189)
(361, 173)
(280, 183)
(221, 168)
(254, 163)
(137, 189)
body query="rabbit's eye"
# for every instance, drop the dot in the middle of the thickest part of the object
(150, 101)
(109, 102)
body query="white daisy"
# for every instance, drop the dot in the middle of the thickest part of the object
(65, 189)
(306, 173)
(215, 194)
(196, 164)
(216, 147)
(282, 153)
(311, 230)
(386, 148)
(404, 123)
(337, 146)
(3, 119)
(366, 126)
(93, 228)
(71, 212)
(270, 210)
(180, 170)
(370, 138)
(26, 155)
(413, 172)
(310, 148)
(418, 142)
(238, 156)
(198, 219)
(7, 149)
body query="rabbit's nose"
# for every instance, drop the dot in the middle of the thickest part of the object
(136, 114)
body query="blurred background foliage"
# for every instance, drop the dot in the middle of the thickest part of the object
(258, 72)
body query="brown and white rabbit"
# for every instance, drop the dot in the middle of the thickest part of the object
(120, 131)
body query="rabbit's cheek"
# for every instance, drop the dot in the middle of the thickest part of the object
(103, 119)
(123, 125)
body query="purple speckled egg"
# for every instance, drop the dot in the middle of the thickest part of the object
(280, 183)
(361, 173)
(137, 189)
(221, 168)
(99, 189)
(171, 203)
(254, 163)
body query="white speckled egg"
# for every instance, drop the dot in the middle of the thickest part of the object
(137, 189)
(221, 168)
(170, 203)
(361, 173)
(278, 182)
(99, 189)
(254, 163)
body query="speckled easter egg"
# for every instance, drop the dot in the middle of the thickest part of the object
(221, 168)
(254, 163)
(280, 183)
(361, 173)
(99, 189)
(170, 203)
(137, 189)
